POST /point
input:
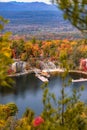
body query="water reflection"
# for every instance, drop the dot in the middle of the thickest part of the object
(27, 92)
(84, 92)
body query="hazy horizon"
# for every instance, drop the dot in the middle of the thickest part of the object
(45, 1)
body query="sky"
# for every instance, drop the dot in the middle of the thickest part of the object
(46, 1)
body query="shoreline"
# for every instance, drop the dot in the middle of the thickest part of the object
(21, 73)
(35, 70)
(45, 70)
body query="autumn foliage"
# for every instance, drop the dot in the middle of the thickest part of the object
(49, 50)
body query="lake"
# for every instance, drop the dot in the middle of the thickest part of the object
(27, 92)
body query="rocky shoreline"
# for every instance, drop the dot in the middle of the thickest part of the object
(45, 70)
(34, 70)
(21, 73)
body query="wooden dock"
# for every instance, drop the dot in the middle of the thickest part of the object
(42, 78)
(44, 74)
(53, 70)
(79, 80)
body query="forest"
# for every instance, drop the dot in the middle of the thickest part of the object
(51, 50)
(70, 113)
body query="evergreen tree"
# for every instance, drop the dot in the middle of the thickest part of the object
(75, 11)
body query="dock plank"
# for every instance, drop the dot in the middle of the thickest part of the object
(79, 80)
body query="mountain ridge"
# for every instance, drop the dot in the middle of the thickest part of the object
(13, 5)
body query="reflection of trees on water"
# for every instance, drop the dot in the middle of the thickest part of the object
(22, 85)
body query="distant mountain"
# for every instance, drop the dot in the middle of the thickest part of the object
(29, 6)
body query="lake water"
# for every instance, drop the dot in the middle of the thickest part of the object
(28, 93)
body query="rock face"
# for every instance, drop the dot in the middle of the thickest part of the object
(47, 65)
(19, 66)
